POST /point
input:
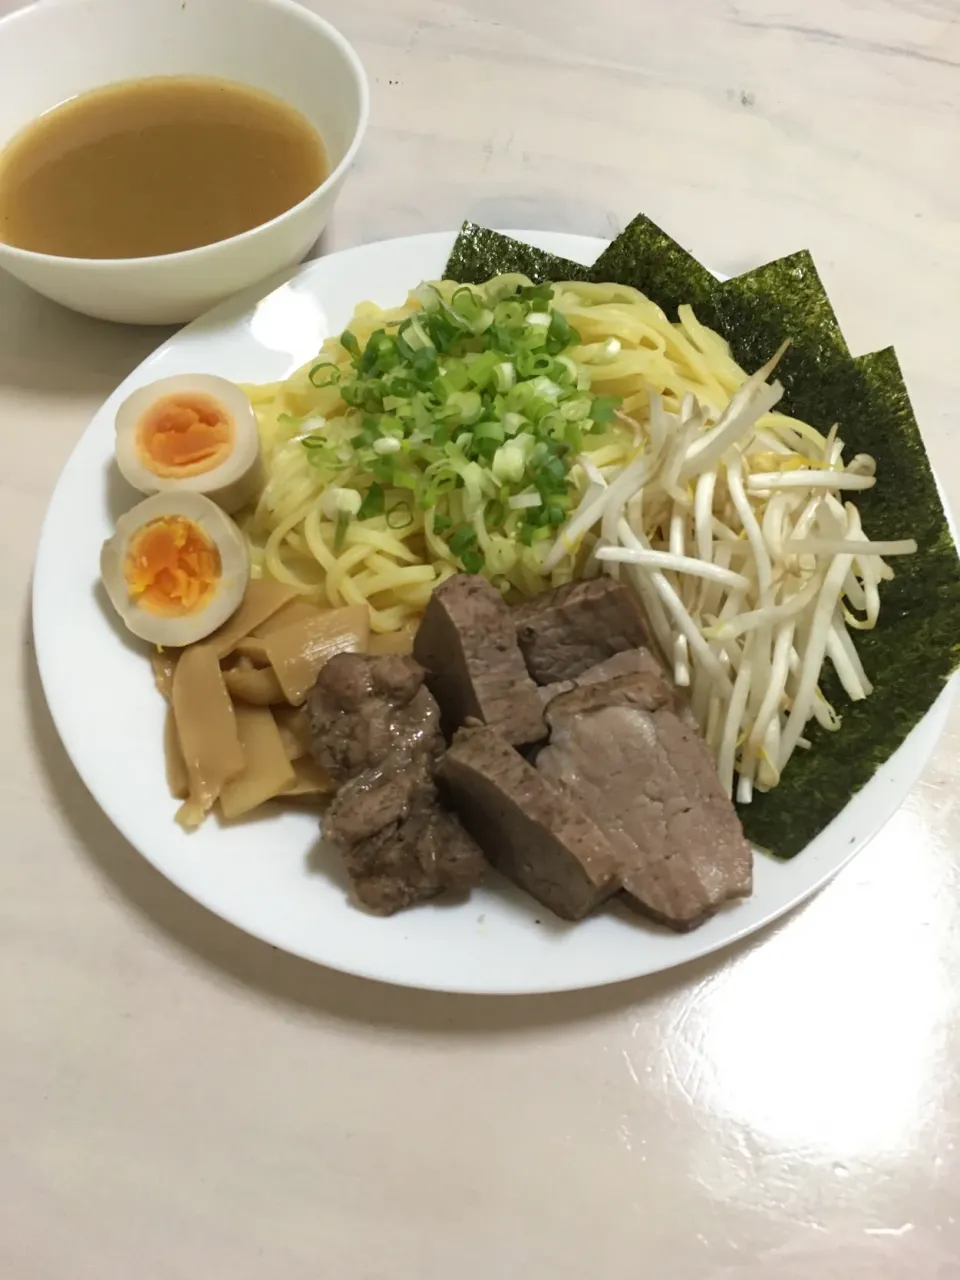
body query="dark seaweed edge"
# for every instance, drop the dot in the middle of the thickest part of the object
(479, 253)
(645, 257)
(915, 647)
(916, 644)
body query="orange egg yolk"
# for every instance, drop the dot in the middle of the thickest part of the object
(185, 434)
(172, 569)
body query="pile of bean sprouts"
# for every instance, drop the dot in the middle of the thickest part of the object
(747, 551)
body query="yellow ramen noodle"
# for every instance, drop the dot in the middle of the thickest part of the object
(628, 349)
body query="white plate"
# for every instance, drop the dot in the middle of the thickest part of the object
(265, 875)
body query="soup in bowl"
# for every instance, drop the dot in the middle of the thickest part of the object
(156, 158)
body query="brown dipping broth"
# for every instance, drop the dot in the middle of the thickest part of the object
(155, 166)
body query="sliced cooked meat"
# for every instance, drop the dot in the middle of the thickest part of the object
(533, 832)
(628, 663)
(375, 799)
(413, 861)
(631, 662)
(364, 708)
(638, 767)
(563, 632)
(376, 729)
(475, 670)
(400, 845)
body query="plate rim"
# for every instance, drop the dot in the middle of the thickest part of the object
(932, 724)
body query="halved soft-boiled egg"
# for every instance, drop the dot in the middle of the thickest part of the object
(176, 568)
(194, 433)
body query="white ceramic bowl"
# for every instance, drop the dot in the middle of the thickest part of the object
(59, 48)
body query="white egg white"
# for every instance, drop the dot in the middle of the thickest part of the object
(234, 565)
(236, 481)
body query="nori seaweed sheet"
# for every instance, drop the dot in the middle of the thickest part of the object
(916, 644)
(648, 259)
(480, 253)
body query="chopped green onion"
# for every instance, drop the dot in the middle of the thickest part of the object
(466, 404)
(509, 313)
(603, 409)
(406, 480)
(324, 374)
(488, 431)
(545, 389)
(464, 537)
(424, 363)
(607, 351)
(414, 335)
(350, 344)
(387, 444)
(573, 437)
(536, 292)
(504, 375)
(474, 409)
(400, 515)
(559, 330)
(530, 363)
(480, 370)
(508, 465)
(373, 503)
(565, 370)
(428, 296)
(525, 501)
(575, 410)
(336, 502)
(494, 513)
(455, 378)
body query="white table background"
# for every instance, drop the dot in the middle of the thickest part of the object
(178, 1101)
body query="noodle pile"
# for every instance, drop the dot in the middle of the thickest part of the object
(629, 349)
(392, 570)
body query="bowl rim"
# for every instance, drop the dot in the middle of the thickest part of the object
(295, 10)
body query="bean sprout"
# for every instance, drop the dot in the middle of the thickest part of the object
(754, 572)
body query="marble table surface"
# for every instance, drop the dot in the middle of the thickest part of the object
(179, 1101)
